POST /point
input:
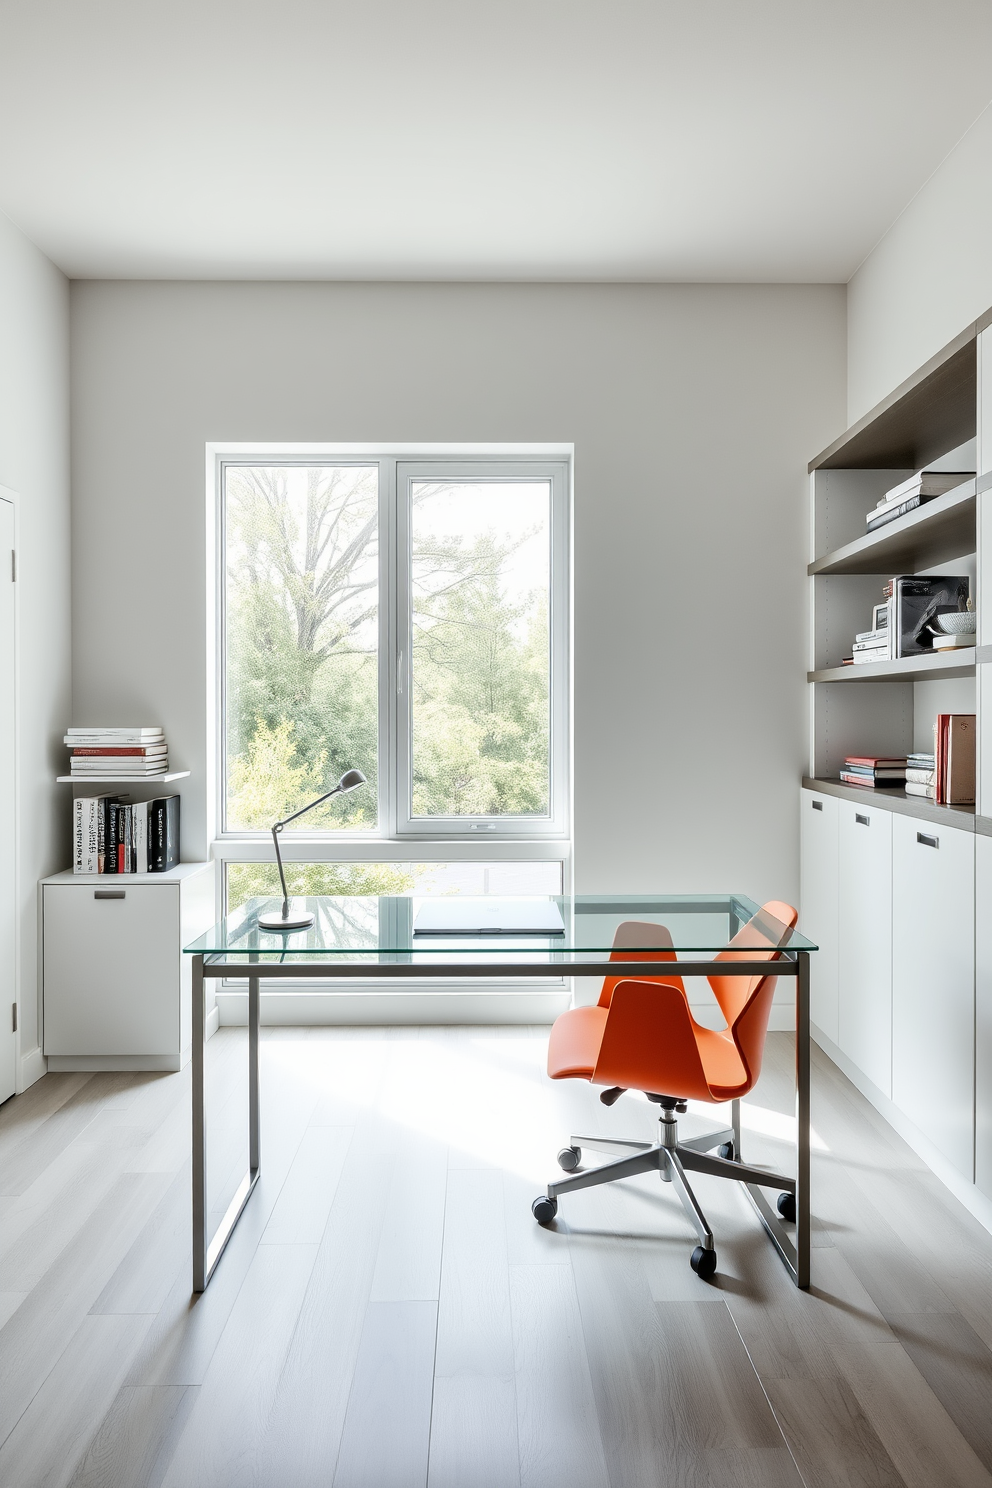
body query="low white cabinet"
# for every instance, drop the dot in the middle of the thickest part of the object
(116, 984)
(933, 983)
(864, 959)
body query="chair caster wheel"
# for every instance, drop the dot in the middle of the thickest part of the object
(569, 1158)
(726, 1151)
(703, 1262)
(544, 1209)
(786, 1205)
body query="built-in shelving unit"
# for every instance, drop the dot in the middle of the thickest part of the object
(962, 817)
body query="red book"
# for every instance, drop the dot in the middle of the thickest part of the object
(137, 750)
(875, 759)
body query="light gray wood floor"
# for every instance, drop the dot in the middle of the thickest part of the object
(388, 1315)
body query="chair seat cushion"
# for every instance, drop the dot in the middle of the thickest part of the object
(574, 1044)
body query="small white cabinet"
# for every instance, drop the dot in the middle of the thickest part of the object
(116, 984)
(864, 1011)
(933, 983)
(818, 915)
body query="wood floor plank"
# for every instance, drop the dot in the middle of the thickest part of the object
(392, 1388)
(304, 1203)
(31, 1155)
(48, 1214)
(220, 1445)
(55, 1430)
(474, 1433)
(137, 1438)
(957, 1366)
(408, 1262)
(27, 1112)
(831, 1437)
(143, 1280)
(557, 1424)
(474, 1335)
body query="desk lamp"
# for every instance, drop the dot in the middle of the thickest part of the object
(349, 781)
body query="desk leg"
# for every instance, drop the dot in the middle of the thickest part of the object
(199, 1132)
(207, 1250)
(802, 1120)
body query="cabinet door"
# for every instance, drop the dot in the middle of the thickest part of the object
(818, 915)
(983, 1014)
(111, 969)
(933, 983)
(865, 940)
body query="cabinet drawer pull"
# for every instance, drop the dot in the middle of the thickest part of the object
(861, 820)
(817, 805)
(927, 841)
(109, 893)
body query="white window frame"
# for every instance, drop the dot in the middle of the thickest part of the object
(399, 838)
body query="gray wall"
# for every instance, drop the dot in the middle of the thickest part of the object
(929, 277)
(693, 410)
(34, 462)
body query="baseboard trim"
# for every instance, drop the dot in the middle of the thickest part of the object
(31, 1067)
(212, 1022)
(971, 1197)
(96, 1064)
(297, 1009)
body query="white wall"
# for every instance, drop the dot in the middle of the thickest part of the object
(928, 278)
(34, 462)
(693, 410)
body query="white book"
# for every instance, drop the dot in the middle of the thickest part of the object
(143, 731)
(96, 737)
(86, 834)
(139, 833)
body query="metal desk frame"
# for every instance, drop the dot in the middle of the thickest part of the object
(207, 1249)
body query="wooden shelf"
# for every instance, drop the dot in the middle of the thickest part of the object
(930, 413)
(121, 779)
(907, 669)
(943, 528)
(962, 817)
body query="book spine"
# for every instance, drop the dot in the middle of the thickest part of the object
(110, 845)
(91, 858)
(172, 832)
(77, 836)
(140, 816)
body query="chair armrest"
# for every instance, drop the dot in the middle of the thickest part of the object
(649, 1042)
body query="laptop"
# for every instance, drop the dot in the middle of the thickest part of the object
(460, 915)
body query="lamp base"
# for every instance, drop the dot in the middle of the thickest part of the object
(292, 921)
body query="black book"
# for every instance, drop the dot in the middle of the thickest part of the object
(920, 598)
(110, 837)
(125, 821)
(163, 834)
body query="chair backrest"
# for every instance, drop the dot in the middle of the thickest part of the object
(746, 1002)
(637, 933)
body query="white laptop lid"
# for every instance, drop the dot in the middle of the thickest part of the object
(461, 915)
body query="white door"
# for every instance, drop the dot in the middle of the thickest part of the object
(865, 960)
(8, 910)
(933, 983)
(818, 916)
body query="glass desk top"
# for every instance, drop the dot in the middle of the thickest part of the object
(381, 928)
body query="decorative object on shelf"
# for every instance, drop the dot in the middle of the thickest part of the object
(919, 599)
(350, 780)
(959, 623)
(126, 753)
(873, 771)
(924, 486)
(954, 737)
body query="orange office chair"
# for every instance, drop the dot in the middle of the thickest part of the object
(642, 1036)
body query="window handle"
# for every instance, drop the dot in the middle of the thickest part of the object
(400, 673)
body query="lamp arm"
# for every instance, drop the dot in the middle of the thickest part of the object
(277, 828)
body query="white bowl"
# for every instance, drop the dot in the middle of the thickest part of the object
(962, 622)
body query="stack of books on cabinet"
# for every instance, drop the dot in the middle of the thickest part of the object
(114, 836)
(873, 771)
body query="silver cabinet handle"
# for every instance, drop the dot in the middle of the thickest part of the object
(109, 894)
(862, 820)
(817, 805)
(926, 841)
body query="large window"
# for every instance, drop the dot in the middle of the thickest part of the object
(408, 617)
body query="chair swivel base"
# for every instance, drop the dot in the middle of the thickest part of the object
(671, 1158)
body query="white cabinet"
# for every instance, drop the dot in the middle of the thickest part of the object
(818, 917)
(983, 1013)
(864, 1031)
(933, 983)
(116, 984)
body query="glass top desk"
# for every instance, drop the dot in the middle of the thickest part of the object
(355, 938)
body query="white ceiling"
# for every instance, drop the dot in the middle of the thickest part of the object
(464, 139)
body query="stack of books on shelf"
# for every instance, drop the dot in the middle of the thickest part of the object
(122, 753)
(114, 836)
(875, 644)
(954, 737)
(874, 770)
(920, 488)
(920, 776)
